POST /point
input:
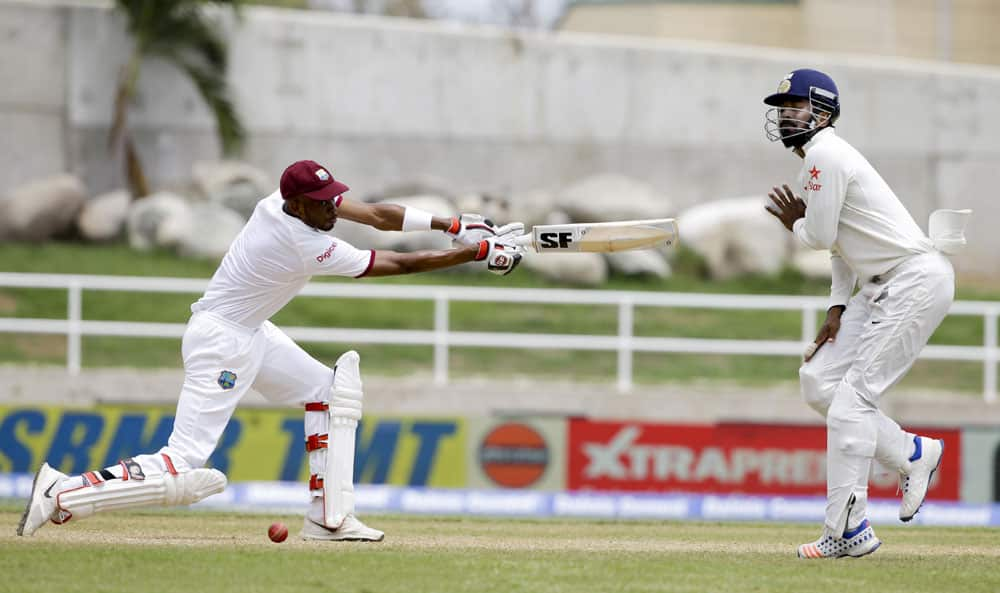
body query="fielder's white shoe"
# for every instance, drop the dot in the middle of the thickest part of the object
(42, 503)
(855, 543)
(351, 530)
(924, 462)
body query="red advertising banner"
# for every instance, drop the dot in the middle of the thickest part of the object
(724, 459)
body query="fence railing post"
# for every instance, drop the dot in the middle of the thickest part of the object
(73, 338)
(626, 314)
(991, 356)
(808, 324)
(441, 313)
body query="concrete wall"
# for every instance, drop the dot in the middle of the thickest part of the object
(382, 101)
(955, 30)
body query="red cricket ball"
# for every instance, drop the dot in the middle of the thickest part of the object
(277, 532)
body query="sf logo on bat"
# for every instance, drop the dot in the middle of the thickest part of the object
(555, 240)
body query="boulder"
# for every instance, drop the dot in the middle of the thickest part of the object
(423, 185)
(532, 207)
(643, 262)
(236, 185)
(211, 230)
(492, 206)
(608, 197)
(103, 217)
(148, 215)
(42, 209)
(578, 269)
(812, 263)
(735, 236)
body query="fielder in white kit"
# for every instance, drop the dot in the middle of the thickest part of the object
(230, 346)
(871, 339)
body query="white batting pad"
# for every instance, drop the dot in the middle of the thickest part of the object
(155, 490)
(345, 411)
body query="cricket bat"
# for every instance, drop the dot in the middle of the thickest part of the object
(600, 237)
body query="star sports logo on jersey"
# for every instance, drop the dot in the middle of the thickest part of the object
(810, 185)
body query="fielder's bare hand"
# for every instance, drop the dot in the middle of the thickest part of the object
(787, 207)
(827, 333)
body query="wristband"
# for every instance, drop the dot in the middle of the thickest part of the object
(416, 220)
(456, 225)
(484, 250)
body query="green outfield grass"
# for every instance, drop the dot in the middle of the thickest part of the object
(188, 551)
(401, 360)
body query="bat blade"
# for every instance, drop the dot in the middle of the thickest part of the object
(601, 237)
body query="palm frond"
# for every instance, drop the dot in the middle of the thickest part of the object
(211, 84)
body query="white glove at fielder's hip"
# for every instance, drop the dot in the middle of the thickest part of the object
(470, 229)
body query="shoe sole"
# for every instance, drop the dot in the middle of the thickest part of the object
(341, 539)
(877, 546)
(27, 508)
(929, 478)
(871, 551)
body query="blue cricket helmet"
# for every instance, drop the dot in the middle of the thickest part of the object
(806, 83)
(786, 123)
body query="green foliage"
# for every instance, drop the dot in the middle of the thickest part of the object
(398, 360)
(184, 34)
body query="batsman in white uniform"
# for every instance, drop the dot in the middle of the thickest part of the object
(869, 339)
(230, 346)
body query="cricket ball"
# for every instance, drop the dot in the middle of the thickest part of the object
(277, 532)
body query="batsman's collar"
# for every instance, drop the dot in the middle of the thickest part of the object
(310, 179)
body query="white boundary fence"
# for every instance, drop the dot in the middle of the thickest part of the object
(442, 337)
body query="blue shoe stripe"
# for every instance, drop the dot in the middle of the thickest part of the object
(856, 530)
(917, 449)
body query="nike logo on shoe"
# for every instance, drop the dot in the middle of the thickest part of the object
(48, 491)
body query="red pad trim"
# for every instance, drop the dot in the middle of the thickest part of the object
(371, 262)
(124, 471)
(455, 226)
(315, 482)
(315, 442)
(59, 508)
(317, 407)
(93, 478)
(170, 464)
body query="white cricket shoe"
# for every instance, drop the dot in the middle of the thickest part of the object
(351, 530)
(925, 461)
(855, 543)
(42, 503)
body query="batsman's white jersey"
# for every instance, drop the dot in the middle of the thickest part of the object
(906, 288)
(230, 346)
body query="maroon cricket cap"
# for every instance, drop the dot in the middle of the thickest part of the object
(310, 179)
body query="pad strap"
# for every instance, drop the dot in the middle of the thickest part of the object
(315, 442)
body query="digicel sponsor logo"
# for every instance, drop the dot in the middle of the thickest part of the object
(725, 458)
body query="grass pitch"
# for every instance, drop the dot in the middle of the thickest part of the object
(194, 552)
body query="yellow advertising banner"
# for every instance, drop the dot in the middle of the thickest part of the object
(258, 444)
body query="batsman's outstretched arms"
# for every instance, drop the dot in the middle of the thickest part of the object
(467, 229)
(501, 255)
(786, 206)
(827, 333)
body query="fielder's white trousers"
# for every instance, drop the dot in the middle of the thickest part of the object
(264, 358)
(882, 331)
